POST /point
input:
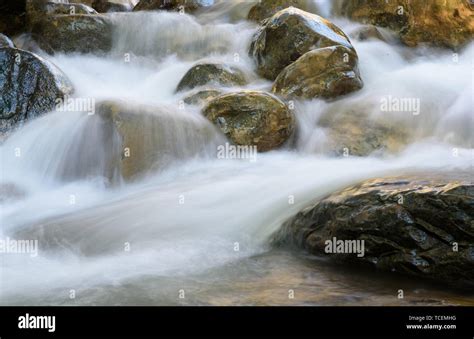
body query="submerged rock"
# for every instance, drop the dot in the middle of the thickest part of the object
(267, 8)
(417, 225)
(5, 41)
(252, 118)
(325, 72)
(447, 23)
(288, 35)
(29, 86)
(205, 73)
(173, 5)
(76, 33)
(202, 96)
(367, 32)
(147, 138)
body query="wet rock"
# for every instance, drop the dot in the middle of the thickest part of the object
(288, 35)
(205, 73)
(172, 5)
(417, 225)
(29, 86)
(10, 192)
(321, 73)
(446, 23)
(267, 8)
(148, 138)
(201, 96)
(76, 33)
(252, 118)
(367, 32)
(5, 41)
(107, 6)
(352, 131)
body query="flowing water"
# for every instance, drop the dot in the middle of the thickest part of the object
(201, 225)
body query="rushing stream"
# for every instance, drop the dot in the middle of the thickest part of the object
(202, 224)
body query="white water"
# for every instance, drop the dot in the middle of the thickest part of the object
(189, 217)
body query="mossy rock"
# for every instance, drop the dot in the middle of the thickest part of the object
(252, 118)
(288, 35)
(201, 97)
(205, 73)
(321, 73)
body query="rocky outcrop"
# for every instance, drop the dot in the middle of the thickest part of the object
(321, 73)
(267, 8)
(75, 33)
(5, 41)
(288, 35)
(211, 73)
(147, 138)
(172, 5)
(29, 86)
(421, 225)
(448, 23)
(201, 97)
(252, 118)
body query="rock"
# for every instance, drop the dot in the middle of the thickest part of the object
(201, 96)
(321, 73)
(288, 35)
(147, 138)
(367, 32)
(267, 8)
(10, 192)
(173, 5)
(205, 73)
(76, 33)
(29, 86)
(353, 131)
(5, 41)
(418, 225)
(252, 118)
(445, 23)
(107, 6)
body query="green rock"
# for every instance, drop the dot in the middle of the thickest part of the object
(419, 225)
(205, 73)
(29, 87)
(201, 96)
(288, 35)
(321, 73)
(252, 118)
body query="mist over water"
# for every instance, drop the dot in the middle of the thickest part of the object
(188, 217)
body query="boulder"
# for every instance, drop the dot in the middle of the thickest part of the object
(321, 73)
(267, 8)
(83, 33)
(205, 73)
(445, 23)
(367, 32)
(108, 6)
(149, 138)
(420, 225)
(252, 118)
(172, 5)
(29, 86)
(288, 35)
(201, 97)
(5, 41)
